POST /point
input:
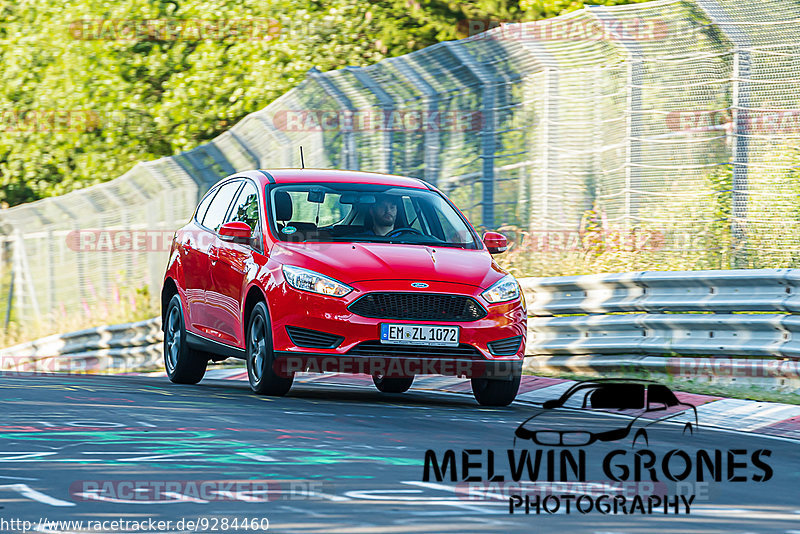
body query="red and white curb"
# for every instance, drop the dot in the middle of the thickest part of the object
(756, 417)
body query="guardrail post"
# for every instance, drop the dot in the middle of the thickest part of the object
(349, 152)
(488, 142)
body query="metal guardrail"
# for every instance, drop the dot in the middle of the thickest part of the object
(757, 290)
(106, 349)
(616, 316)
(612, 322)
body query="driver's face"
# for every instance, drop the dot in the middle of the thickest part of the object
(384, 212)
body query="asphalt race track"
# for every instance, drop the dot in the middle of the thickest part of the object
(333, 460)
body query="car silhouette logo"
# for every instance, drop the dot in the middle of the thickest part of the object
(644, 401)
(419, 284)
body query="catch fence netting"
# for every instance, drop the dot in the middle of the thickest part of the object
(657, 135)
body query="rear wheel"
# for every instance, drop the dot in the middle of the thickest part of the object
(392, 385)
(261, 358)
(184, 365)
(491, 392)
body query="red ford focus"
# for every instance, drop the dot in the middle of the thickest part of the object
(321, 270)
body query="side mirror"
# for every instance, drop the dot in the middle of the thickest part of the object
(496, 243)
(236, 232)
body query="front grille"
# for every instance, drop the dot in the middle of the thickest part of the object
(313, 339)
(376, 349)
(505, 347)
(418, 307)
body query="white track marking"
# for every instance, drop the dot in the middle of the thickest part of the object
(27, 491)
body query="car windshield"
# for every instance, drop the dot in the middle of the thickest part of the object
(614, 396)
(367, 213)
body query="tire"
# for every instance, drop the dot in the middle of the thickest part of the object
(489, 392)
(184, 365)
(260, 356)
(392, 385)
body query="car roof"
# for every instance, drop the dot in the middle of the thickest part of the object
(291, 176)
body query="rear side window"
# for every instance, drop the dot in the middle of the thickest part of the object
(215, 215)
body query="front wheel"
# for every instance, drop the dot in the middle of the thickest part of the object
(261, 358)
(490, 392)
(392, 385)
(184, 365)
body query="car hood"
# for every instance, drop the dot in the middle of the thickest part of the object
(358, 262)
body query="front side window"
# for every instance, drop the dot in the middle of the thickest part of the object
(215, 215)
(367, 213)
(245, 207)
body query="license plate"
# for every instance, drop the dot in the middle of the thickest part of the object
(419, 334)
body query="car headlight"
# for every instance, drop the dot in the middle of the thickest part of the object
(306, 280)
(503, 290)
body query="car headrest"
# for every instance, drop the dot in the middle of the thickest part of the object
(283, 206)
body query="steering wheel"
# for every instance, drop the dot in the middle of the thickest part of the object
(407, 230)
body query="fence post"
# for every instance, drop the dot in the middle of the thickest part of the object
(597, 136)
(287, 152)
(549, 132)
(22, 271)
(349, 153)
(634, 131)
(75, 227)
(546, 102)
(432, 138)
(488, 142)
(740, 105)
(633, 88)
(10, 301)
(386, 103)
(246, 148)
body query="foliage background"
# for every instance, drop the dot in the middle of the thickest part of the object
(156, 98)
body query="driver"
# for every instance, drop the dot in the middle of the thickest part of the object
(384, 214)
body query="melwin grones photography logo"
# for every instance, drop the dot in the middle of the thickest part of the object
(607, 446)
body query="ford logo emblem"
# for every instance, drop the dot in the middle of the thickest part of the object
(419, 284)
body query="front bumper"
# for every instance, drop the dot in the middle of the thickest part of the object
(360, 347)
